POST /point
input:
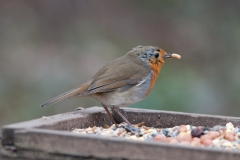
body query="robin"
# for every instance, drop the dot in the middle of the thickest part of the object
(123, 81)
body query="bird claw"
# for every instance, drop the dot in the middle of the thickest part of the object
(131, 129)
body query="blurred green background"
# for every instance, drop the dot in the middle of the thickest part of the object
(49, 47)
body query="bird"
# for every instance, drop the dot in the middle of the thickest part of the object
(123, 81)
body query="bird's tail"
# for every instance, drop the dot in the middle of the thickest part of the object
(72, 93)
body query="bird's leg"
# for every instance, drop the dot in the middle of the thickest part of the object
(116, 109)
(109, 114)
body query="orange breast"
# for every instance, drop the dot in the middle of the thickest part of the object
(156, 69)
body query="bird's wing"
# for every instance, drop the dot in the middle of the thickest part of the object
(120, 84)
(121, 74)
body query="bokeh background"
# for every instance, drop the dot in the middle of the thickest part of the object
(49, 47)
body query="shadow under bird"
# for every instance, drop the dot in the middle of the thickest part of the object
(123, 81)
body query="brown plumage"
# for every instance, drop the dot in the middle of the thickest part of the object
(123, 81)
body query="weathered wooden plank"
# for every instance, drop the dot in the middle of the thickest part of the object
(34, 154)
(51, 139)
(71, 144)
(65, 121)
(162, 119)
(96, 116)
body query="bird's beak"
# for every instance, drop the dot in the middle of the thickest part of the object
(167, 55)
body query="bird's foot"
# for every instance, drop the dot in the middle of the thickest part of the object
(130, 128)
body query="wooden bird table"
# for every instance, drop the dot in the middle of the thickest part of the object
(50, 137)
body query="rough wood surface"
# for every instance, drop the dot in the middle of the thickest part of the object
(65, 122)
(97, 116)
(156, 118)
(57, 142)
(49, 137)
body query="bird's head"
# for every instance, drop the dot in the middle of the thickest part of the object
(152, 56)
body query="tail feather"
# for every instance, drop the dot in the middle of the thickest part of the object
(72, 93)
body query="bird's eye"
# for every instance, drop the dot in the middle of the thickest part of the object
(158, 50)
(156, 55)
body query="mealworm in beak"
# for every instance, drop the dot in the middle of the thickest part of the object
(174, 55)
